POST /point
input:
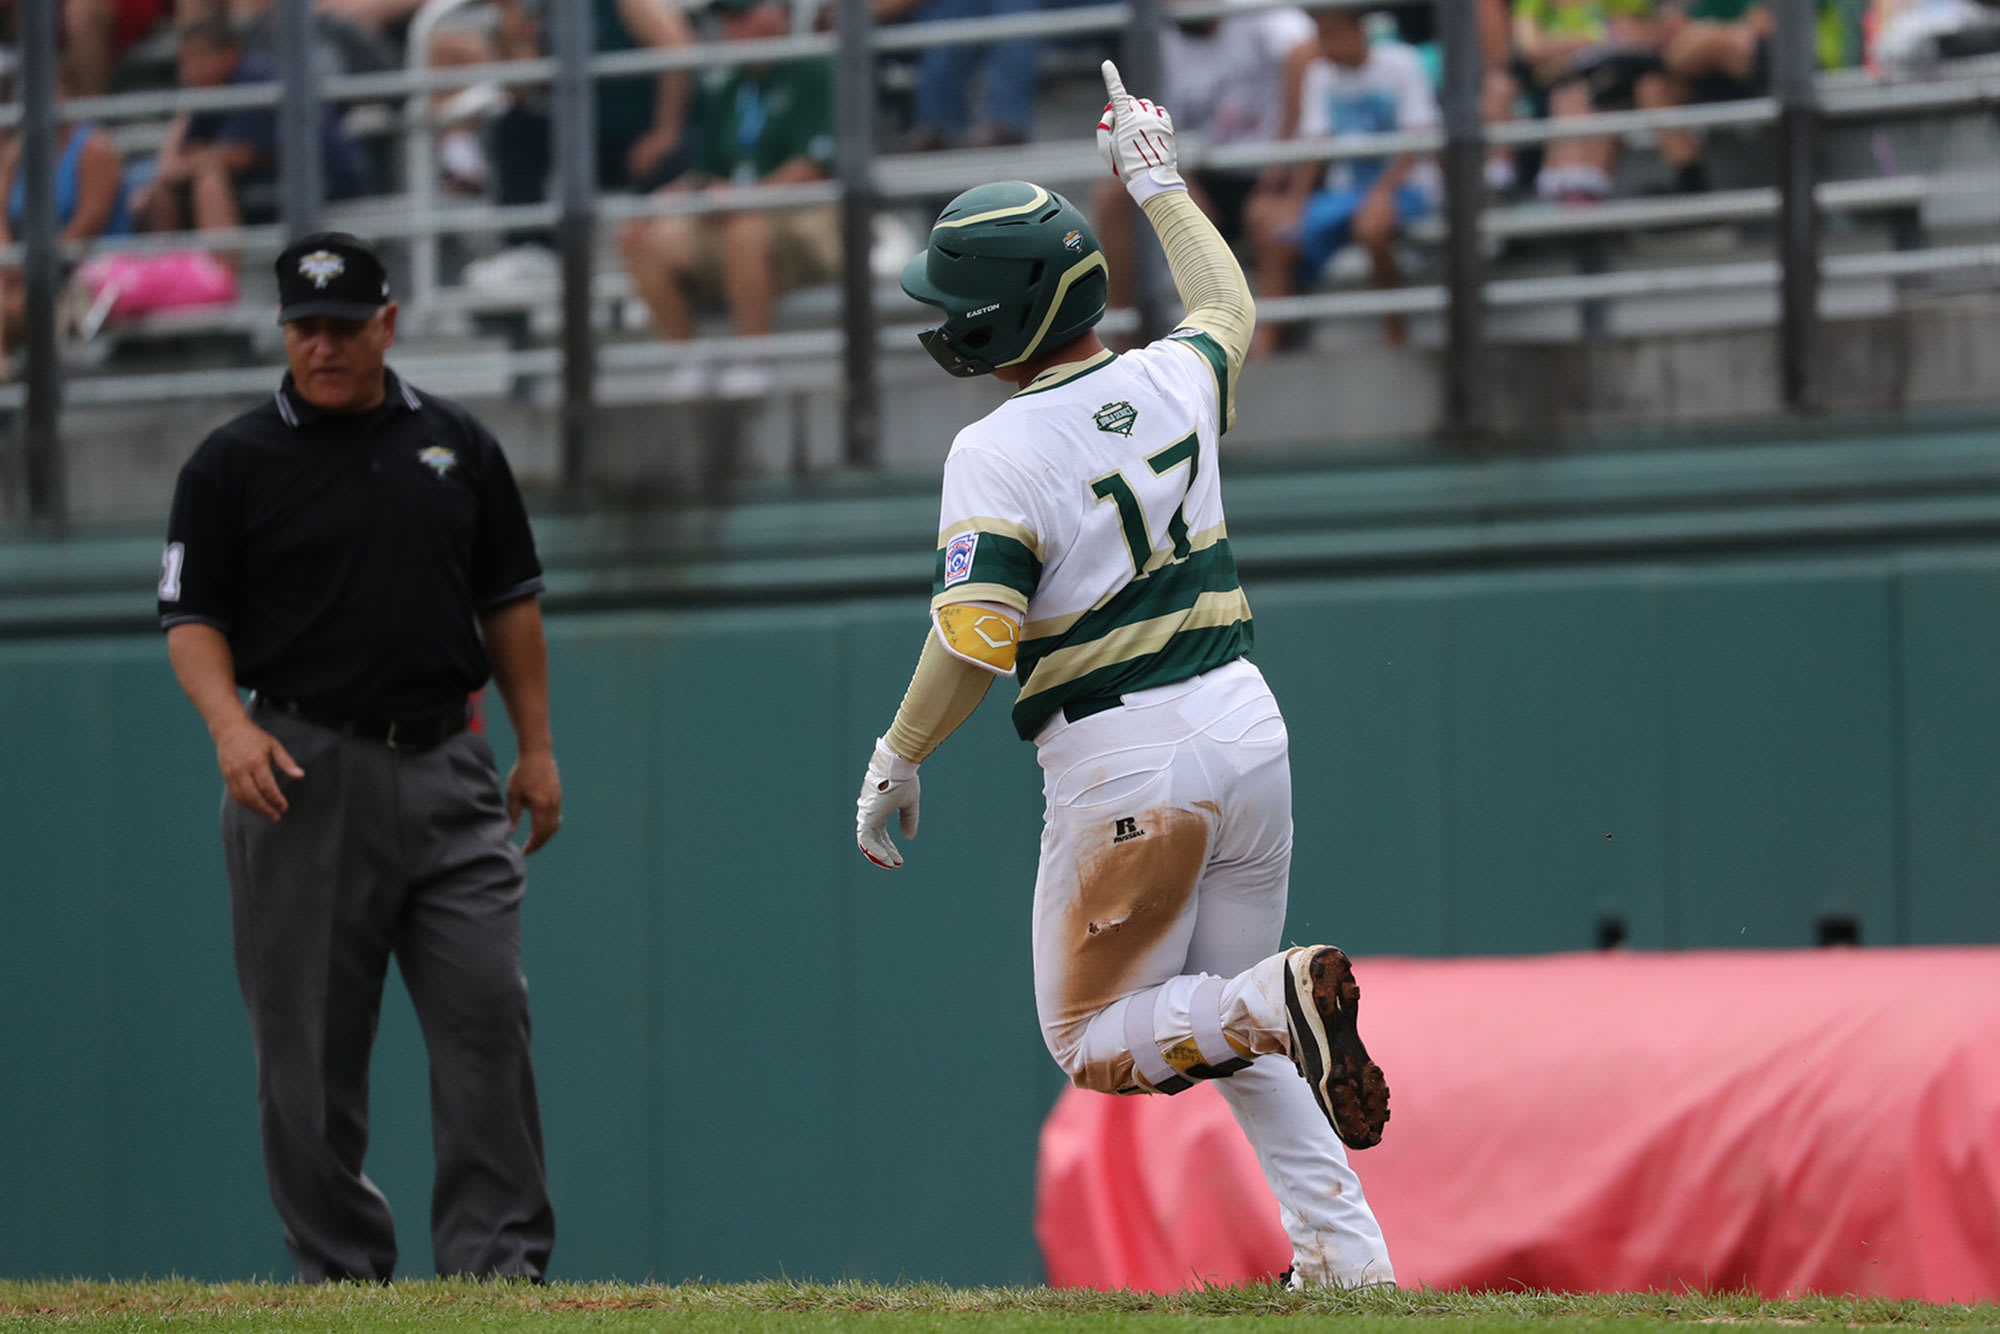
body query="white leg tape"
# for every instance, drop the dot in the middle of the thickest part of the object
(1145, 1048)
(1205, 1018)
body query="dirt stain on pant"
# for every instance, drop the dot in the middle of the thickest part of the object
(1132, 886)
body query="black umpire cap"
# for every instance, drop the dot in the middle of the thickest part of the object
(331, 274)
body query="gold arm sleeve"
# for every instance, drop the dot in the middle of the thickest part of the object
(1211, 283)
(942, 694)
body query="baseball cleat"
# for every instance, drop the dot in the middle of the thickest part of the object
(1322, 1002)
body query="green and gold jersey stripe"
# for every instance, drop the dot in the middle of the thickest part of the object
(1179, 620)
(1189, 653)
(983, 523)
(971, 592)
(998, 559)
(1218, 362)
(1134, 640)
(1167, 585)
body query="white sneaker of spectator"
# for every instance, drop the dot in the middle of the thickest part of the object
(745, 380)
(687, 382)
(462, 160)
(514, 269)
(1575, 184)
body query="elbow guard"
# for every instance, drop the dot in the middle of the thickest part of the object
(981, 633)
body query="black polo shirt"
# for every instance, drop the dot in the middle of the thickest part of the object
(348, 557)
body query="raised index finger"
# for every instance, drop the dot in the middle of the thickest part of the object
(1115, 86)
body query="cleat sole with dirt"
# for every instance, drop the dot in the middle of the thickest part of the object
(1323, 1002)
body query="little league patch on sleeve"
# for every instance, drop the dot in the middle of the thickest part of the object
(958, 558)
(1118, 417)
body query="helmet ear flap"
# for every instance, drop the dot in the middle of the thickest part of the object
(954, 361)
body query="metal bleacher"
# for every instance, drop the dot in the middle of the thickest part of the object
(1935, 212)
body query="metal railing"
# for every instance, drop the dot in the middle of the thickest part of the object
(864, 182)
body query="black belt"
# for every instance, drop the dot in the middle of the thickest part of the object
(395, 733)
(1078, 709)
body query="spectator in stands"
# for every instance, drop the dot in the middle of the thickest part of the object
(1221, 78)
(388, 18)
(761, 125)
(1574, 57)
(368, 36)
(96, 33)
(347, 38)
(1335, 86)
(90, 197)
(643, 134)
(92, 34)
(1720, 49)
(1004, 71)
(338, 46)
(219, 169)
(1712, 51)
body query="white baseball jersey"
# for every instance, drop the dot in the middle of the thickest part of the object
(1091, 502)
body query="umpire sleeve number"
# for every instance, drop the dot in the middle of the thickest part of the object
(170, 572)
(1132, 514)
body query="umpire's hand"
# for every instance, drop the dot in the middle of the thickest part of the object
(535, 784)
(248, 755)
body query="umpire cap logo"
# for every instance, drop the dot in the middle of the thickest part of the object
(322, 266)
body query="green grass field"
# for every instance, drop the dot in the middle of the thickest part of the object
(894, 1309)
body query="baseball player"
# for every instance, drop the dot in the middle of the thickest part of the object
(1082, 551)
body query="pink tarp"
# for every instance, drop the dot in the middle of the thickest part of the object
(1824, 1121)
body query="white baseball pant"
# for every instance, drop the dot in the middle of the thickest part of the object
(1159, 908)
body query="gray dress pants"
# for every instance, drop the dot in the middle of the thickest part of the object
(404, 853)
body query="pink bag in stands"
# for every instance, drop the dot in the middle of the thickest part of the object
(128, 286)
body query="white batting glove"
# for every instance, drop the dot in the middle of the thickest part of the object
(1136, 140)
(889, 785)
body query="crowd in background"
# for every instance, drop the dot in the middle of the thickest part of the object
(1257, 77)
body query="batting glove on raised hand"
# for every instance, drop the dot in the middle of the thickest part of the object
(889, 785)
(1136, 140)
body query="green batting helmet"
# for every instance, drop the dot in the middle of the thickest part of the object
(1015, 269)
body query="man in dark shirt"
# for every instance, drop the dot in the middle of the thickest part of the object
(356, 554)
(219, 169)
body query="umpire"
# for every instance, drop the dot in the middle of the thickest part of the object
(355, 553)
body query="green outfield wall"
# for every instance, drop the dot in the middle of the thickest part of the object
(1719, 689)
